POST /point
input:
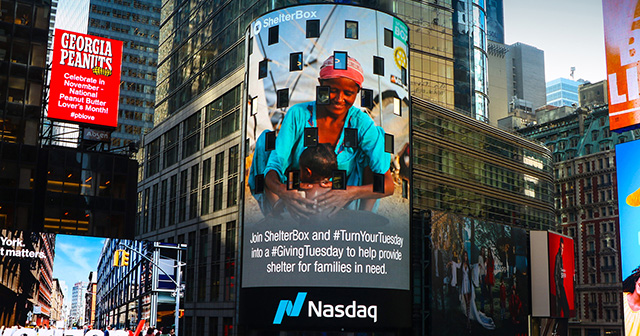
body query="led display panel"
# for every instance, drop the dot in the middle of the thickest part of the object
(85, 79)
(561, 275)
(622, 48)
(330, 250)
(479, 277)
(62, 284)
(628, 178)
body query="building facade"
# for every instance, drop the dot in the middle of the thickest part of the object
(466, 168)
(525, 74)
(23, 51)
(587, 209)
(137, 24)
(188, 192)
(563, 92)
(77, 305)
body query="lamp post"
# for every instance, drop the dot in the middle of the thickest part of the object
(178, 291)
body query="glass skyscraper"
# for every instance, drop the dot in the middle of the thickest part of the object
(137, 24)
(189, 188)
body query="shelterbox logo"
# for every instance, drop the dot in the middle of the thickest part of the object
(318, 309)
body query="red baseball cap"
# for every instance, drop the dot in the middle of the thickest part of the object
(353, 71)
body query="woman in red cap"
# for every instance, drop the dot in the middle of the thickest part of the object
(331, 119)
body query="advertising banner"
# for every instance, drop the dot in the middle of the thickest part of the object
(326, 208)
(479, 277)
(561, 275)
(622, 46)
(85, 79)
(628, 178)
(55, 284)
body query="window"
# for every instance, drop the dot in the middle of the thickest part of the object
(204, 202)
(163, 203)
(232, 191)
(173, 191)
(340, 60)
(191, 142)
(273, 34)
(378, 65)
(295, 61)
(217, 187)
(233, 160)
(282, 98)
(263, 69)
(206, 172)
(388, 38)
(351, 29)
(313, 28)
(171, 147)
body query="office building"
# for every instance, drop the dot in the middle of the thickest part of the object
(23, 50)
(498, 91)
(593, 94)
(190, 178)
(77, 305)
(525, 74)
(85, 192)
(586, 201)
(137, 24)
(563, 92)
(466, 168)
(128, 293)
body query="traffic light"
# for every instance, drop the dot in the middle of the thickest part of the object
(125, 258)
(121, 258)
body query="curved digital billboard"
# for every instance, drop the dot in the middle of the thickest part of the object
(326, 208)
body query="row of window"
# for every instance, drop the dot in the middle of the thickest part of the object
(221, 118)
(351, 32)
(175, 199)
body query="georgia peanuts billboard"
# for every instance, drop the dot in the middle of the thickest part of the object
(326, 208)
(85, 79)
(622, 45)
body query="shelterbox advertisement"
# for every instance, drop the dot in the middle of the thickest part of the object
(85, 79)
(326, 208)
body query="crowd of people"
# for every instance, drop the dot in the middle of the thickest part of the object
(46, 330)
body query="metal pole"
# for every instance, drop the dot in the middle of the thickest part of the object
(178, 292)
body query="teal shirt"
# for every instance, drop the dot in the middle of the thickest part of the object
(370, 151)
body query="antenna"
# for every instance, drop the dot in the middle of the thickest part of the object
(573, 70)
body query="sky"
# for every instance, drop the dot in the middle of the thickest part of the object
(75, 257)
(570, 32)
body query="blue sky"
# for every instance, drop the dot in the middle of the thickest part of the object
(570, 32)
(75, 257)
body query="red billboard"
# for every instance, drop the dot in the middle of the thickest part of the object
(561, 275)
(621, 27)
(85, 79)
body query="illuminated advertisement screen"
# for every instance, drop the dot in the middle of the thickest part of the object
(326, 208)
(622, 43)
(85, 79)
(628, 178)
(63, 284)
(561, 275)
(479, 277)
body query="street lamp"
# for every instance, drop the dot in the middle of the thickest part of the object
(178, 291)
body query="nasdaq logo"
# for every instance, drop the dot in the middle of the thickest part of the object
(286, 307)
